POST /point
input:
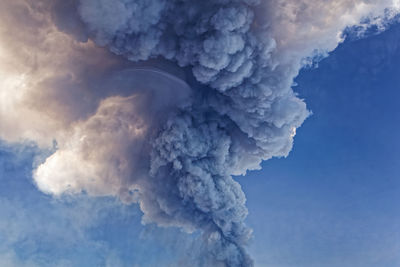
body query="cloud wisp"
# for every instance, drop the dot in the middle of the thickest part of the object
(160, 102)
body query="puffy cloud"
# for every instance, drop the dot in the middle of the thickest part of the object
(167, 137)
(306, 25)
(46, 74)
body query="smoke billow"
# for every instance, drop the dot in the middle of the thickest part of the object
(191, 93)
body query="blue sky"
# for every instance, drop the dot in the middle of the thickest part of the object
(332, 202)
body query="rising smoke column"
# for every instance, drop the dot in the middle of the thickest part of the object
(140, 134)
(242, 115)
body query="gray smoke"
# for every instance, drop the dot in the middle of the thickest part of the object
(209, 96)
(244, 111)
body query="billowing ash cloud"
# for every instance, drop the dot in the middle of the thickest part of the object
(192, 93)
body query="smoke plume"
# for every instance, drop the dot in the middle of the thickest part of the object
(160, 102)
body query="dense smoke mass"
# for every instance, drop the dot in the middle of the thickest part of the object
(160, 102)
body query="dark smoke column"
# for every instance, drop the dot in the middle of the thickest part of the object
(242, 110)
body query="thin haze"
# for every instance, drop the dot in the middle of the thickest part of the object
(160, 102)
